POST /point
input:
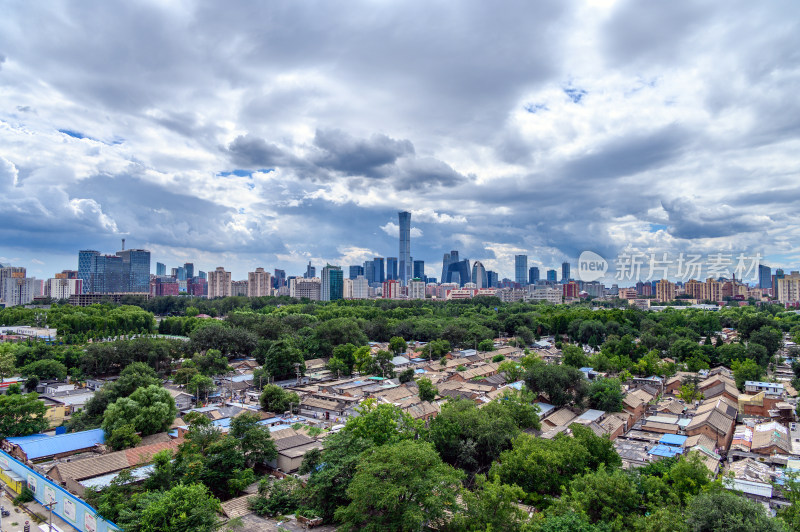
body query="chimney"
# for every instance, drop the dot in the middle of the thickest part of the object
(123, 244)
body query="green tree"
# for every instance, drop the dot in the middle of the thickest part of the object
(540, 466)
(255, 440)
(602, 495)
(490, 505)
(486, 345)
(512, 370)
(281, 359)
(382, 423)
(436, 349)
(724, 510)
(346, 353)
(572, 355)
(770, 338)
(150, 410)
(211, 363)
(45, 370)
(277, 497)
(427, 391)
(123, 437)
(561, 384)
(688, 476)
(184, 508)
(21, 415)
(406, 375)
(327, 485)
(606, 395)
(338, 367)
(386, 494)
(397, 345)
(746, 370)
(7, 361)
(519, 405)
(200, 385)
(276, 399)
(184, 375)
(471, 438)
(135, 375)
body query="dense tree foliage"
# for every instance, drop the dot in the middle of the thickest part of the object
(21, 415)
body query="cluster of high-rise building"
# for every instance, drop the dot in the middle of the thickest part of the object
(100, 277)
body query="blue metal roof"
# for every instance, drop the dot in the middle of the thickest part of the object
(63, 443)
(673, 439)
(32, 437)
(665, 450)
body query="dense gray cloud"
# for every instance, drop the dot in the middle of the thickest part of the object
(272, 134)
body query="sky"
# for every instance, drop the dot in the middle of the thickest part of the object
(246, 134)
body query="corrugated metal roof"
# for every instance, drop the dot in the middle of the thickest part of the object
(62, 443)
(672, 439)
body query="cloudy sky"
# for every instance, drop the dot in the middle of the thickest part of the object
(248, 134)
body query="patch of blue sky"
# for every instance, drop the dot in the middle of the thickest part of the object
(534, 108)
(654, 228)
(245, 173)
(576, 95)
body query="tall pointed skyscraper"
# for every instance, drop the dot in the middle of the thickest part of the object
(405, 265)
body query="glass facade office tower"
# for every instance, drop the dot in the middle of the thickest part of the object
(533, 275)
(310, 271)
(458, 272)
(189, 267)
(332, 283)
(85, 258)
(552, 276)
(564, 272)
(137, 262)
(379, 274)
(391, 268)
(419, 270)
(521, 269)
(355, 271)
(161, 269)
(764, 276)
(405, 247)
(479, 275)
(492, 279)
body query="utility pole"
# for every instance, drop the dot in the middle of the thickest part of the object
(50, 516)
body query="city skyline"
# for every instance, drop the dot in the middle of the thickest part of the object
(543, 129)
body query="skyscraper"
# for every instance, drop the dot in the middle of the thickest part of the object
(552, 276)
(391, 268)
(564, 272)
(533, 275)
(355, 271)
(259, 283)
(491, 279)
(278, 280)
(310, 271)
(161, 269)
(85, 257)
(419, 270)
(479, 275)
(332, 283)
(521, 269)
(137, 262)
(369, 271)
(764, 276)
(458, 272)
(445, 265)
(219, 283)
(379, 274)
(405, 247)
(189, 267)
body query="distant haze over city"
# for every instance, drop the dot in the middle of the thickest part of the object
(272, 135)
